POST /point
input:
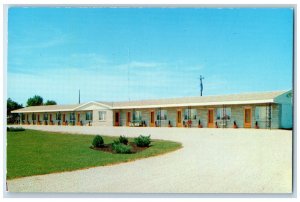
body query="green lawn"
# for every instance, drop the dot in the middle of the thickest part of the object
(32, 152)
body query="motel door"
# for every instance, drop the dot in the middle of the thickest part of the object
(128, 120)
(78, 119)
(50, 118)
(247, 117)
(64, 118)
(210, 118)
(151, 118)
(178, 123)
(117, 118)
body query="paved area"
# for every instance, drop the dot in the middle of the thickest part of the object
(211, 161)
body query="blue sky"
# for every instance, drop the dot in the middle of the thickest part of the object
(114, 54)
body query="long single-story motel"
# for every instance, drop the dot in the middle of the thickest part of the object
(251, 110)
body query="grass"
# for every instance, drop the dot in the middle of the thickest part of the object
(33, 152)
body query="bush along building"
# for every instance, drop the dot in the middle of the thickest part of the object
(251, 110)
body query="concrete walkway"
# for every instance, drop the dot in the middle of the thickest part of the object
(212, 161)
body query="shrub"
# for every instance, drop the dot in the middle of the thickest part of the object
(98, 141)
(121, 148)
(142, 141)
(12, 129)
(123, 140)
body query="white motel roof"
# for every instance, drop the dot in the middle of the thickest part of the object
(233, 99)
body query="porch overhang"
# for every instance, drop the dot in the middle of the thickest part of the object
(203, 104)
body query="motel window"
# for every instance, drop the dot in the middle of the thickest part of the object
(45, 117)
(190, 114)
(23, 117)
(223, 113)
(72, 116)
(137, 115)
(102, 115)
(261, 113)
(58, 116)
(89, 116)
(162, 115)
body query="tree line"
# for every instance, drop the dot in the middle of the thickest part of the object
(32, 101)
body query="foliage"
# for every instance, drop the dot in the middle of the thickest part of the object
(12, 105)
(38, 100)
(35, 101)
(12, 129)
(142, 141)
(98, 141)
(121, 148)
(123, 140)
(50, 102)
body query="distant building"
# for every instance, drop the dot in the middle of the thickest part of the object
(252, 110)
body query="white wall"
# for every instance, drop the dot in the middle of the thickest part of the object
(96, 108)
(285, 98)
(286, 116)
(108, 119)
(286, 112)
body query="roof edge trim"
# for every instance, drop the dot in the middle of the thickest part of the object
(199, 104)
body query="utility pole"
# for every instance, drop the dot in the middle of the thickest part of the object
(201, 85)
(79, 97)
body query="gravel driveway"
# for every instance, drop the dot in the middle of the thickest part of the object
(211, 161)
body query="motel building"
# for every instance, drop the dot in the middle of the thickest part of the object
(251, 110)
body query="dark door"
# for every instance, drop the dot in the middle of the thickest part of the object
(117, 119)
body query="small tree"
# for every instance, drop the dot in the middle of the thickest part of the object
(35, 101)
(50, 102)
